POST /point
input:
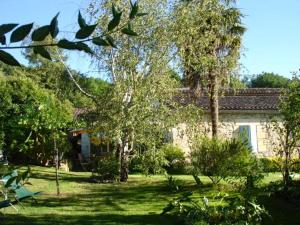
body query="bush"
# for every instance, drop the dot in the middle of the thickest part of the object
(219, 159)
(135, 164)
(239, 210)
(150, 162)
(172, 184)
(207, 158)
(269, 165)
(241, 163)
(175, 157)
(105, 169)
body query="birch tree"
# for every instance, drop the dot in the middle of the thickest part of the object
(140, 109)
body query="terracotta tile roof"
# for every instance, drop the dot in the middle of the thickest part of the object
(241, 99)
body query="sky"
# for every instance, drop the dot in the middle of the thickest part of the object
(271, 43)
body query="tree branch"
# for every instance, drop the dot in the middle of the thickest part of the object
(73, 79)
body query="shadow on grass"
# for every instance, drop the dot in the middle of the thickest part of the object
(50, 176)
(103, 219)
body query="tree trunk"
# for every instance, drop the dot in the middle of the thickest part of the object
(124, 166)
(56, 157)
(214, 104)
(286, 170)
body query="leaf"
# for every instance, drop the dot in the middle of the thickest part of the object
(54, 26)
(81, 21)
(74, 46)
(10, 181)
(134, 10)
(21, 32)
(41, 33)
(129, 31)
(8, 59)
(114, 10)
(111, 41)
(84, 47)
(64, 43)
(5, 28)
(3, 39)
(85, 31)
(100, 42)
(116, 19)
(42, 52)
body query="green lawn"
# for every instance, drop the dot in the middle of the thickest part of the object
(139, 201)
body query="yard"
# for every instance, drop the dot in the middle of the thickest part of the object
(139, 201)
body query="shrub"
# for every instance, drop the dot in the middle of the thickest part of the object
(269, 165)
(105, 169)
(238, 211)
(152, 162)
(135, 164)
(172, 184)
(207, 158)
(175, 157)
(240, 163)
(219, 159)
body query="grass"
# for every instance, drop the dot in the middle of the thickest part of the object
(139, 201)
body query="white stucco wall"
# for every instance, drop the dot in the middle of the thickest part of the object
(229, 127)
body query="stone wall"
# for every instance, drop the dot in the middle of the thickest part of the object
(262, 140)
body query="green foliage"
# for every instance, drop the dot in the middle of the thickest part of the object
(207, 158)
(236, 83)
(269, 165)
(240, 163)
(269, 80)
(153, 162)
(172, 184)
(30, 116)
(105, 169)
(286, 130)
(208, 36)
(238, 211)
(175, 157)
(219, 159)
(139, 108)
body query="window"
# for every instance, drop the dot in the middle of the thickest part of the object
(249, 136)
(245, 134)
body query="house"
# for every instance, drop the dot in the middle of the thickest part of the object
(240, 111)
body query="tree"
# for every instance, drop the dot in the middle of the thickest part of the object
(236, 83)
(208, 36)
(269, 80)
(34, 120)
(139, 109)
(29, 114)
(287, 128)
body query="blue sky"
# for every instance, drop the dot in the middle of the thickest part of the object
(271, 42)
